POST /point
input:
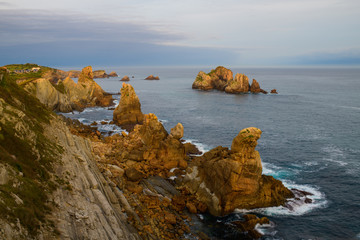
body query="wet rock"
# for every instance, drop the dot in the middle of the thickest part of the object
(273, 91)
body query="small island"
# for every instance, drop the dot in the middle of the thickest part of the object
(222, 79)
(152, 77)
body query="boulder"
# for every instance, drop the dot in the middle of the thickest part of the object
(125, 79)
(226, 179)
(240, 84)
(152, 77)
(177, 131)
(128, 113)
(113, 74)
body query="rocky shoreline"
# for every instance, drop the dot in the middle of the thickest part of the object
(145, 184)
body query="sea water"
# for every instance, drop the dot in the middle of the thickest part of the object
(310, 139)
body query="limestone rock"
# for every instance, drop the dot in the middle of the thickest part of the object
(226, 179)
(125, 78)
(240, 84)
(152, 77)
(100, 74)
(216, 79)
(177, 131)
(128, 112)
(113, 74)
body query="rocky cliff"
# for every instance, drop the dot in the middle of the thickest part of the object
(222, 79)
(66, 95)
(50, 185)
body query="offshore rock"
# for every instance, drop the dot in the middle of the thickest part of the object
(125, 78)
(274, 91)
(128, 113)
(113, 74)
(152, 77)
(100, 74)
(240, 84)
(255, 86)
(215, 79)
(226, 179)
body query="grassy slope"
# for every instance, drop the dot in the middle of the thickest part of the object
(32, 181)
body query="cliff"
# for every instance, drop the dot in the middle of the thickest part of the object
(222, 79)
(50, 185)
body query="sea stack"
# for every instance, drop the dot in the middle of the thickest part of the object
(128, 113)
(226, 179)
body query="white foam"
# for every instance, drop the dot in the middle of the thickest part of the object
(335, 155)
(202, 147)
(266, 229)
(295, 207)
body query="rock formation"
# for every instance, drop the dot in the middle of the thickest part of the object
(240, 84)
(152, 77)
(227, 179)
(274, 91)
(222, 79)
(113, 74)
(99, 74)
(125, 78)
(74, 73)
(128, 113)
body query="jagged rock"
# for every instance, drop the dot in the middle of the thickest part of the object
(152, 77)
(128, 112)
(240, 84)
(125, 78)
(215, 79)
(177, 131)
(274, 91)
(191, 149)
(86, 93)
(226, 179)
(255, 87)
(113, 74)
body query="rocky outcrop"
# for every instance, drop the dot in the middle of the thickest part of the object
(74, 73)
(49, 95)
(113, 74)
(86, 93)
(222, 79)
(216, 79)
(128, 113)
(100, 74)
(125, 78)
(240, 84)
(227, 179)
(152, 77)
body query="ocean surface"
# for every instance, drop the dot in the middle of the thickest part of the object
(310, 139)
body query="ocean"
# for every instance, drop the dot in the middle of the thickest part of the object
(310, 139)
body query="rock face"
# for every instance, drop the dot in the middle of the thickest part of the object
(86, 93)
(240, 84)
(152, 77)
(227, 179)
(125, 78)
(74, 73)
(222, 79)
(216, 79)
(128, 113)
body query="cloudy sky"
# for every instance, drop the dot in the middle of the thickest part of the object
(186, 32)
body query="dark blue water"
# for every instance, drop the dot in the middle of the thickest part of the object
(310, 140)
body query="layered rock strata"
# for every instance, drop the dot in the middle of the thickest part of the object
(128, 113)
(227, 179)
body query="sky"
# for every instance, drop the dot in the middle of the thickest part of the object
(180, 33)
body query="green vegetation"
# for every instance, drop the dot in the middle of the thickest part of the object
(32, 181)
(27, 77)
(60, 87)
(199, 78)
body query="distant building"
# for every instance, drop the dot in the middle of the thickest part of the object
(35, 69)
